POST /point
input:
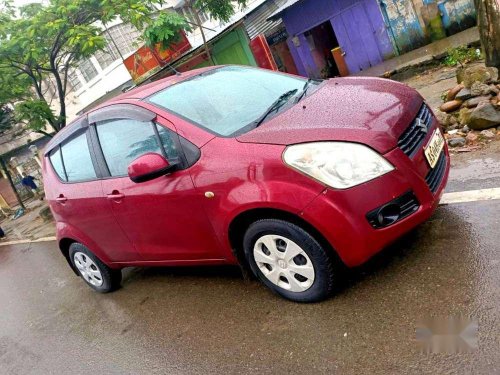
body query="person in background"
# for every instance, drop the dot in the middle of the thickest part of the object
(29, 182)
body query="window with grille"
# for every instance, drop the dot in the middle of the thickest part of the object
(74, 81)
(187, 13)
(87, 69)
(106, 56)
(125, 36)
(203, 17)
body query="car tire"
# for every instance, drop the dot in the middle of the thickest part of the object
(290, 261)
(95, 273)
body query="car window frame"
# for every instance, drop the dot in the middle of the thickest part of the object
(111, 112)
(127, 111)
(82, 131)
(102, 159)
(49, 158)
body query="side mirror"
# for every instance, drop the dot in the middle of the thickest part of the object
(148, 167)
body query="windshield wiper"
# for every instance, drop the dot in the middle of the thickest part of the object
(304, 90)
(275, 106)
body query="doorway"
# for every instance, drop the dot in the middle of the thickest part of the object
(322, 40)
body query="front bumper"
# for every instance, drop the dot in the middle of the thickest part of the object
(340, 215)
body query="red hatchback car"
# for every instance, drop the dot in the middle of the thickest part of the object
(226, 165)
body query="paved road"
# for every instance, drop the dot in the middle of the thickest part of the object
(208, 320)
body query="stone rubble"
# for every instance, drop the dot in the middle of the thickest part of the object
(470, 114)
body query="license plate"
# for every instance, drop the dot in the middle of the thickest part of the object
(434, 148)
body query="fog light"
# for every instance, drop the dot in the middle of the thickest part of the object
(393, 211)
(388, 215)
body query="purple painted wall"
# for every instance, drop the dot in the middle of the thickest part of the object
(358, 25)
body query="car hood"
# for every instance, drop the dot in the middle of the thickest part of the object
(371, 111)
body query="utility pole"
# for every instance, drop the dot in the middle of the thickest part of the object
(11, 182)
(197, 20)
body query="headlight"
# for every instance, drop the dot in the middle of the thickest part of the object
(340, 165)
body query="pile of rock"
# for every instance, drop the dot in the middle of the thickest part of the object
(471, 112)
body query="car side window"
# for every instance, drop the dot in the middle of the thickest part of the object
(123, 140)
(56, 161)
(169, 145)
(77, 160)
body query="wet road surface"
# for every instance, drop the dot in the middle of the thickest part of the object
(209, 320)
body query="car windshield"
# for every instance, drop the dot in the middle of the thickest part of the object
(228, 101)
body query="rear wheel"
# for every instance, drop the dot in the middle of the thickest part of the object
(94, 272)
(290, 261)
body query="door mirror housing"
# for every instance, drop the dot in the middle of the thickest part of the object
(148, 167)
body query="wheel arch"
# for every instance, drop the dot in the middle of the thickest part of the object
(64, 245)
(242, 221)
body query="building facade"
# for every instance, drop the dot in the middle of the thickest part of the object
(340, 37)
(412, 24)
(317, 27)
(314, 38)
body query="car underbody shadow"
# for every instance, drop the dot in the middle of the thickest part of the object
(132, 274)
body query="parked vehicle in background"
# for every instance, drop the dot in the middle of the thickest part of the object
(292, 177)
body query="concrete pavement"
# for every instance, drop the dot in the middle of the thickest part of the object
(208, 320)
(424, 54)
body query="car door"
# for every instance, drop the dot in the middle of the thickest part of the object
(163, 217)
(78, 201)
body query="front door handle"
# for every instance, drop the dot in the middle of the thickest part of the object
(61, 199)
(115, 195)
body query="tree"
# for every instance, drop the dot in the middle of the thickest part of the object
(7, 122)
(164, 29)
(45, 43)
(488, 18)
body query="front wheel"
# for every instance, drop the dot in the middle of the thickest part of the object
(289, 261)
(94, 272)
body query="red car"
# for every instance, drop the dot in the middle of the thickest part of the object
(226, 165)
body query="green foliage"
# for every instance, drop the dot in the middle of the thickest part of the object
(34, 113)
(7, 120)
(41, 43)
(13, 86)
(220, 10)
(164, 30)
(44, 42)
(461, 55)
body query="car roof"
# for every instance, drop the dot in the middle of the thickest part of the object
(144, 91)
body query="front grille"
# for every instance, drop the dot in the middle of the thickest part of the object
(393, 211)
(411, 140)
(435, 175)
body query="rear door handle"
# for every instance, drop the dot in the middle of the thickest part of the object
(61, 199)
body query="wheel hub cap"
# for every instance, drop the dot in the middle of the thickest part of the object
(284, 263)
(281, 263)
(88, 269)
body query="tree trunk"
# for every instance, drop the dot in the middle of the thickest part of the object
(11, 182)
(198, 23)
(488, 19)
(41, 97)
(61, 121)
(45, 133)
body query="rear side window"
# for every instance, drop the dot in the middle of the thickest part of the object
(56, 161)
(124, 140)
(77, 161)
